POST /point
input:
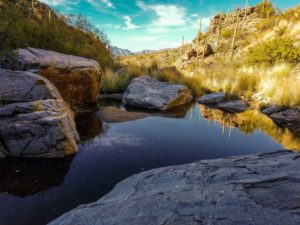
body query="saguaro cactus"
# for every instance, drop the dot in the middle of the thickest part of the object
(234, 35)
(246, 8)
(182, 48)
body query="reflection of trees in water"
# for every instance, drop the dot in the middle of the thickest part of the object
(88, 125)
(250, 121)
(23, 177)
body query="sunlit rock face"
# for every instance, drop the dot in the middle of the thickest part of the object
(34, 120)
(240, 190)
(76, 78)
(146, 92)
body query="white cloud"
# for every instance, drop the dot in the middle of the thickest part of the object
(168, 15)
(108, 3)
(97, 3)
(57, 2)
(129, 24)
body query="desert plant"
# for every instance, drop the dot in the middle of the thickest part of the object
(277, 50)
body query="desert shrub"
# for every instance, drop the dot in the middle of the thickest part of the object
(266, 8)
(278, 50)
(266, 24)
(22, 27)
(292, 14)
(227, 33)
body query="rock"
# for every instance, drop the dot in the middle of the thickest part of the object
(213, 98)
(34, 120)
(25, 87)
(255, 189)
(289, 119)
(76, 78)
(115, 115)
(146, 92)
(236, 106)
(272, 109)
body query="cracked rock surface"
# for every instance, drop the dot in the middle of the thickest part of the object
(76, 78)
(258, 189)
(146, 92)
(34, 120)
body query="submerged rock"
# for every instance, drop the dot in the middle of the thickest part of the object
(236, 106)
(289, 119)
(76, 78)
(115, 115)
(34, 120)
(146, 92)
(255, 189)
(213, 98)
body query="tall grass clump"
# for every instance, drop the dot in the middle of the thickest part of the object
(280, 86)
(114, 82)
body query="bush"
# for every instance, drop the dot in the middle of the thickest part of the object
(22, 27)
(277, 50)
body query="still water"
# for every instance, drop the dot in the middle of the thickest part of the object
(34, 191)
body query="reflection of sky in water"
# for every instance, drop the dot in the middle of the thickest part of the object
(112, 152)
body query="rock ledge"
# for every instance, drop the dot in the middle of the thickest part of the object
(254, 190)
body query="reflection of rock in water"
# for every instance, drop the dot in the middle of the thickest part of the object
(250, 121)
(23, 177)
(88, 125)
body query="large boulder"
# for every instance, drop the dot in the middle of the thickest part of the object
(146, 92)
(255, 189)
(34, 120)
(76, 78)
(289, 119)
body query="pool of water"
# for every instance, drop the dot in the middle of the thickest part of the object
(34, 191)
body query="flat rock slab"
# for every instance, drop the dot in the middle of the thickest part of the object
(288, 119)
(146, 92)
(34, 119)
(115, 115)
(34, 60)
(247, 190)
(236, 106)
(213, 98)
(76, 78)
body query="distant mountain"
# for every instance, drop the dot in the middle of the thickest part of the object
(119, 51)
(146, 51)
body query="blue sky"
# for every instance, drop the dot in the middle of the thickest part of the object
(151, 24)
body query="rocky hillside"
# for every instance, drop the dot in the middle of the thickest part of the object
(26, 23)
(254, 25)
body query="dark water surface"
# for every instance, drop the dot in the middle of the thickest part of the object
(34, 192)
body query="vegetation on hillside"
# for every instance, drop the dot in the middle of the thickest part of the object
(265, 64)
(22, 25)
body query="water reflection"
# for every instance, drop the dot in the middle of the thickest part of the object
(250, 121)
(23, 177)
(88, 125)
(37, 191)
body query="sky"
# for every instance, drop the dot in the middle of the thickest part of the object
(151, 24)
